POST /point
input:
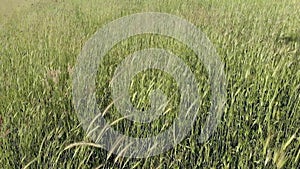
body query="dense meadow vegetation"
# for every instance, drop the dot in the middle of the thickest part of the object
(258, 41)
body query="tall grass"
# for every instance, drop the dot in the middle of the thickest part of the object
(258, 42)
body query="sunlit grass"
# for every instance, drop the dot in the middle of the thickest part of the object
(257, 41)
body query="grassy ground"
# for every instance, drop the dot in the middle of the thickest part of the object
(9, 7)
(257, 40)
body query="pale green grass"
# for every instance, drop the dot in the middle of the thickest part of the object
(258, 42)
(10, 7)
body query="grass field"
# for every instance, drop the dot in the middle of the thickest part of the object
(9, 7)
(258, 41)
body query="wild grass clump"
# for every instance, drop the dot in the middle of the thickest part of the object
(257, 41)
